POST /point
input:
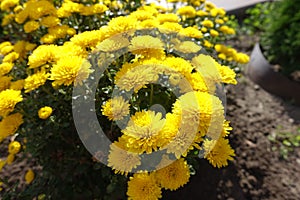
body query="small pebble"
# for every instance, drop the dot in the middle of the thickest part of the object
(256, 87)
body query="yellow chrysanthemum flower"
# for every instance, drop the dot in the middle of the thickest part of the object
(93, 9)
(29, 176)
(213, 33)
(120, 25)
(70, 70)
(122, 160)
(184, 140)
(8, 99)
(207, 67)
(137, 77)
(116, 108)
(191, 32)
(36, 80)
(207, 23)
(14, 147)
(6, 5)
(167, 17)
(11, 57)
(50, 21)
(201, 110)
(31, 26)
(7, 49)
(113, 44)
(187, 11)
(218, 152)
(147, 46)
(143, 132)
(43, 54)
(187, 47)
(143, 186)
(227, 74)
(88, 39)
(141, 15)
(226, 129)
(174, 175)
(45, 112)
(179, 65)
(10, 124)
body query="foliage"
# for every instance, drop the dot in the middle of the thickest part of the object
(281, 36)
(285, 142)
(143, 56)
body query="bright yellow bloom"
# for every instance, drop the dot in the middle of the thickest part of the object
(142, 133)
(167, 17)
(187, 11)
(8, 99)
(208, 23)
(218, 152)
(11, 57)
(113, 44)
(93, 9)
(143, 186)
(201, 13)
(50, 21)
(4, 44)
(207, 44)
(10, 124)
(29, 176)
(147, 46)
(191, 32)
(7, 49)
(122, 160)
(116, 108)
(187, 47)
(174, 175)
(226, 129)
(213, 33)
(36, 80)
(222, 56)
(45, 112)
(70, 69)
(227, 74)
(136, 78)
(170, 27)
(14, 147)
(141, 15)
(120, 25)
(88, 39)
(31, 26)
(6, 5)
(179, 65)
(43, 54)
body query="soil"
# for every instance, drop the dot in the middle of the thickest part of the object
(259, 171)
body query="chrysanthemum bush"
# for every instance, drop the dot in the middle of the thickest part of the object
(113, 100)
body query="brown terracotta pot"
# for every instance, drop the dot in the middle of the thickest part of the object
(262, 73)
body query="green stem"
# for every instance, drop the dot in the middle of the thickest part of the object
(151, 95)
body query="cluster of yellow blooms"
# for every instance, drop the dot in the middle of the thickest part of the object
(58, 54)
